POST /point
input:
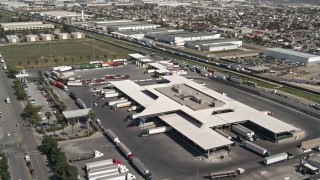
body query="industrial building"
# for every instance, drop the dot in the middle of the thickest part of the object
(13, 38)
(46, 37)
(63, 15)
(21, 26)
(215, 45)
(32, 38)
(125, 25)
(180, 38)
(143, 33)
(301, 57)
(194, 111)
(77, 35)
(63, 36)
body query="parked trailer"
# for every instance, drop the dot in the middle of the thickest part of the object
(112, 136)
(256, 148)
(223, 134)
(125, 150)
(111, 95)
(61, 86)
(121, 100)
(94, 165)
(155, 130)
(109, 91)
(119, 177)
(104, 173)
(74, 83)
(81, 103)
(235, 80)
(222, 174)
(246, 129)
(96, 154)
(123, 104)
(275, 158)
(142, 168)
(149, 125)
(73, 95)
(242, 132)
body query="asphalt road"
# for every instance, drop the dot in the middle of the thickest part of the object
(164, 152)
(21, 140)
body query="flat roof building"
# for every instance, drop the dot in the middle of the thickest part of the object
(215, 44)
(180, 38)
(77, 35)
(32, 38)
(13, 38)
(46, 37)
(20, 26)
(193, 111)
(296, 56)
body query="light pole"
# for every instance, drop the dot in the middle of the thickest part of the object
(198, 158)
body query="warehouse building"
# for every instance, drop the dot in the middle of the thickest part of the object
(301, 57)
(64, 15)
(77, 35)
(46, 37)
(21, 26)
(32, 38)
(13, 39)
(124, 25)
(180, 38)
(215, 45)
(194, 111)
(139, 34)
(63, 36)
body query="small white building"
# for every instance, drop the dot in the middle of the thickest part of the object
(77, 35)
(63, 36)
(13, 39)
(46, 37)
(32, 38)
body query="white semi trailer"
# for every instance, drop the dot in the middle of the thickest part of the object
(275, 158)
(155, 130)
(243, 132)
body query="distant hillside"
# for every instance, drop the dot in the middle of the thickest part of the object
(316, 2)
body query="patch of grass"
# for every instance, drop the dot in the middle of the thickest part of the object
(302, 94)
(64, 52)
(226, 51)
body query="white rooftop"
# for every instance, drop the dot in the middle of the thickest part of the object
(136, 56)
(157, 66)
(291, 52)
(76, 113)
(160, 104)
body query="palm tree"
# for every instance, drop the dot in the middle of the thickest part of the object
(114, 56)
(97, 56)
(54, 127)
(65, 59)
(56, 60)
(72, 59)
(73, 122)
(64, 124)
(48, 115)
(92, 115)
(28, 62)
(105, 55)
(46, 61)
(37, 62)
(19, 63)
(88, 57)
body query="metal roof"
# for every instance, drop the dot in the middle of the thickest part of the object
(291, 52)
(136, 56)
(204, 137)
(76, 113)
(157, 66)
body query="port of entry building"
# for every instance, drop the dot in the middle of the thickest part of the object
(193, 111)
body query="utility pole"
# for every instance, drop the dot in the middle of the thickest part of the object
(198, 158)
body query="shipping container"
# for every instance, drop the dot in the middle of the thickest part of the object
(256, 148)
(74, 83)
(155, 130)
(275, 158)
(81, 104)
(94, 165)
(111, 95)
(111, 103)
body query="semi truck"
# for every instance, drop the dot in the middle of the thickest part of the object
(125, 150)
(74, 83)
(229, 173)
(96, 154)
(155, 130)
(148, 125)
(223, 134)
(112, 136)
(127, 176)
(275, 158)
(235, 80)
(142, 168)
(81, 104)
(58, 84)
(111, 95)
(246, 133)
(121, 100)
(73, 95)
(255, 148)
(121, 105)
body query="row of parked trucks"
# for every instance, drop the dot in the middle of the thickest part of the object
(128, 154)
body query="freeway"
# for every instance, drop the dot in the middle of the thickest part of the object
(18, 140)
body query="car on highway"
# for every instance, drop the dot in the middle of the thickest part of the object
(7, 100)
(32, 172)
(98, 121)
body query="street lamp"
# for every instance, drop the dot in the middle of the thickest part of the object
(198, 158)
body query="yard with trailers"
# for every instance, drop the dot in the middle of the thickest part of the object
(64, 52)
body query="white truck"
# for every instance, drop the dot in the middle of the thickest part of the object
(229, 173)
(155, 130)
(125, 150)
(255, 148)
(74, 83)
(133, 108)
(112, 136)
(121, 100)
(120, 177)
(121, 105)
(246, 133)
(96, 154)
(275, 158)
(142, 168)
(111, 95)
(7, 100)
